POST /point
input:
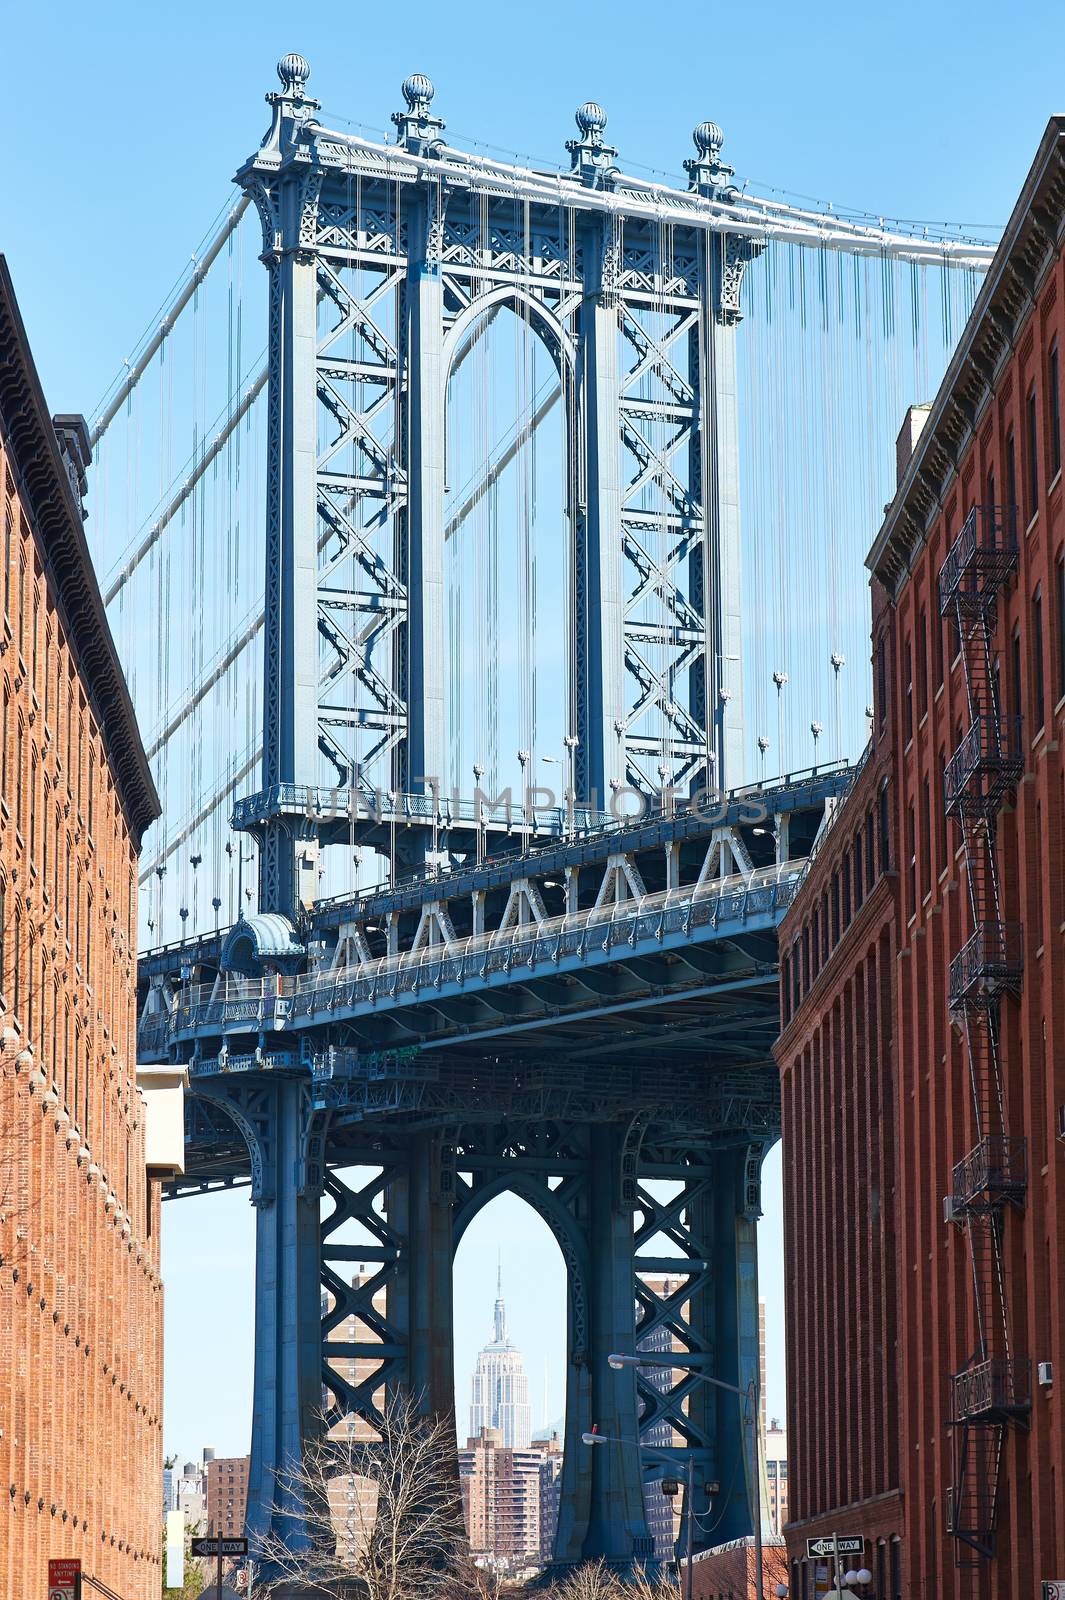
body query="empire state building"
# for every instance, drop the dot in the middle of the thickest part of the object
(500, 1397)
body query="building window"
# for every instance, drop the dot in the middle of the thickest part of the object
(944, 844)
(1059, 574)
(911, 858)
(1054, 410)
(926, 839)
(881, 680)
(1011, 472)
(907, 690)
(1038, 708)
(1032, 446)
(885, 845)
(922, 663)
(870, 850)
(1018, 687)
(858, 869)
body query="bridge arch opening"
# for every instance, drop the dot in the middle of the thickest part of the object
(510, 1313)
(510, 590)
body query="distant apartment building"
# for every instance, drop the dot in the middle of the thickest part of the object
(550, 1452)
(81, 1458)
(227, 1495)
(501, 1502)
(776, 1473)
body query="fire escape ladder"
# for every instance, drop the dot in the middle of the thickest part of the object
(993, 1388)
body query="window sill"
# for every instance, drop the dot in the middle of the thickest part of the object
(1031, 523)
(1040, 736)
(1054, 484)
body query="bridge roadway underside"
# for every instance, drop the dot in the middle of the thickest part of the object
(625, 1089)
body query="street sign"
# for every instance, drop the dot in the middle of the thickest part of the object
(849, 1544)
(1054, 1589)
(210, 1546)
(63, 1576)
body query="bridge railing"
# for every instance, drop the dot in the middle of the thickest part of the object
(271, 1001)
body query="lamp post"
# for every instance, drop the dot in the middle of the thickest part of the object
(478, 774)
(523, 759)
(571, 741)
(689, 1510)
(751, 1396)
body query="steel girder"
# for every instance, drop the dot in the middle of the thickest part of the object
(357, 1225)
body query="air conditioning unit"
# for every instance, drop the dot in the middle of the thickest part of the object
(951, 1209)
(1045, 1374)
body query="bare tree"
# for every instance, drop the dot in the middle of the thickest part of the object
(594, 1580)
(378, 1519)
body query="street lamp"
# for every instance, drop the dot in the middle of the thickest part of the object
(750, 1394)
(689, 1511)
(523, 757)
(571, 741)
(478, 774)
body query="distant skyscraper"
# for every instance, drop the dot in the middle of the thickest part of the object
(500, 1397)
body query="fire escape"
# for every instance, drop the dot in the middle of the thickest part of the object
(993, 1389)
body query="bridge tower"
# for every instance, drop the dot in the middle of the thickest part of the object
(383, 260)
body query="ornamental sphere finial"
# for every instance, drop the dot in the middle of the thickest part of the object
(708, 138)
(418, 91)
(590, 118)
(293, 70)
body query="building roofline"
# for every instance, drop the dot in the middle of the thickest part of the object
(55, 516)
(1007, 296)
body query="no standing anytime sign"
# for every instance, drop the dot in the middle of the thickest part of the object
(63, 1579)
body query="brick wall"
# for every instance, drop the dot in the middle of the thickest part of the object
(878, 1100)
(80, 1295)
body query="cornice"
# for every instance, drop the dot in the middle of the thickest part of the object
(48, 501)
(1032, 238)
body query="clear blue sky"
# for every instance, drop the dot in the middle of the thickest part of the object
(125, 123)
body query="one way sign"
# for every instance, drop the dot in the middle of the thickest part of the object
(850, 1544)
(214, 1546)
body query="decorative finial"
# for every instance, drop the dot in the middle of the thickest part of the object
(417, 128)
(707, 173)
(294, 70)
(418, 91)
(589, 155)
(591, 120)
(708, 138)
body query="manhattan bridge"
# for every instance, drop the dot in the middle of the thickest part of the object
(479, 718)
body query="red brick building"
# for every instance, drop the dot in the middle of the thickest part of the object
(80, 1297)
(929, 1125)
(227, 1495)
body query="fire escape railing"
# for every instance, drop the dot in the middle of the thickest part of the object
(993, 1389)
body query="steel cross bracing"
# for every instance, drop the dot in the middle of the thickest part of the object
(385, 265)
(601, 1047)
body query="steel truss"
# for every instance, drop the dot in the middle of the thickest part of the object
(383, 274)
(379, 1205)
